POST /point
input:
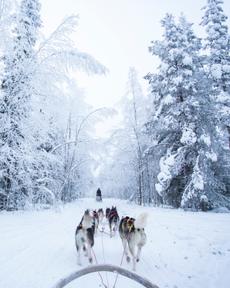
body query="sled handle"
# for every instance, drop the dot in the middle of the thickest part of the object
(107, 268)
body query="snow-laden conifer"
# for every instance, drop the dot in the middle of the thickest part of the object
(216, 50)
(35, 104)
(184, 120)
(16, 91)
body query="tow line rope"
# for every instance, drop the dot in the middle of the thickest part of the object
(102, 281)
(102, 231)
(103, 252)
(122, 258)
(120, 265)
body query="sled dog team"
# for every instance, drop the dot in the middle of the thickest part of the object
(131, 232)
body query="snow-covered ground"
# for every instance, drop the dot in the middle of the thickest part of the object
(184, 249)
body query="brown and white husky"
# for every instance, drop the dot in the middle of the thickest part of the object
(84, 236)
(133, 236)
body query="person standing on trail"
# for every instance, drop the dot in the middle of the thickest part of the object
(98, 195)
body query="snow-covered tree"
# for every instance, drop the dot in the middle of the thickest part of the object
(216, 52)
(182, 126)
(217, 58)
(217, 45)
(59, 107)
(16, 89)
(134, 113)
(127, 161)
(36, 87)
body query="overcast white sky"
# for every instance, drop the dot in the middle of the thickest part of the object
(118, 33)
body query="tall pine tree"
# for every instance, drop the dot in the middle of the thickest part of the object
(16, 90)
(217, 45)
(183, 124)
(217, 63)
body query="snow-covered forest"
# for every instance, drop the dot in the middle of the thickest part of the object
(160, 153)
(45, 135)
(172, 147)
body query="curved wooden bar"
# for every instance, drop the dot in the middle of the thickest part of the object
(105, 268)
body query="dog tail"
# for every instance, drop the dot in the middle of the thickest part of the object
(87, 221)
(141, 220)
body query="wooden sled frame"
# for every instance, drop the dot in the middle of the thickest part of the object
(105, 268)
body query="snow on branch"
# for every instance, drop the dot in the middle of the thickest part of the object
(76, 60)
(60, 37)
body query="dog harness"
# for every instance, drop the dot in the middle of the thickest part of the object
(112, 213)
(128, 223)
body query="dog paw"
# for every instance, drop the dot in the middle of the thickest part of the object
(91, 260)
(127, 258)
(138, 260)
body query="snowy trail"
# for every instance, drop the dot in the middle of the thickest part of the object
(183, 249)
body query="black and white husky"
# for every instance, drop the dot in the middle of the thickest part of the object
(96, 220)
(113, 219)
(84, 236)
(133, 236)
(107, 211)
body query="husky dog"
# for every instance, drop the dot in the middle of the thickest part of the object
(133, 235)
(113, 218)
(96, 220)
(107, 211)
(100, 213)
(84, 236)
